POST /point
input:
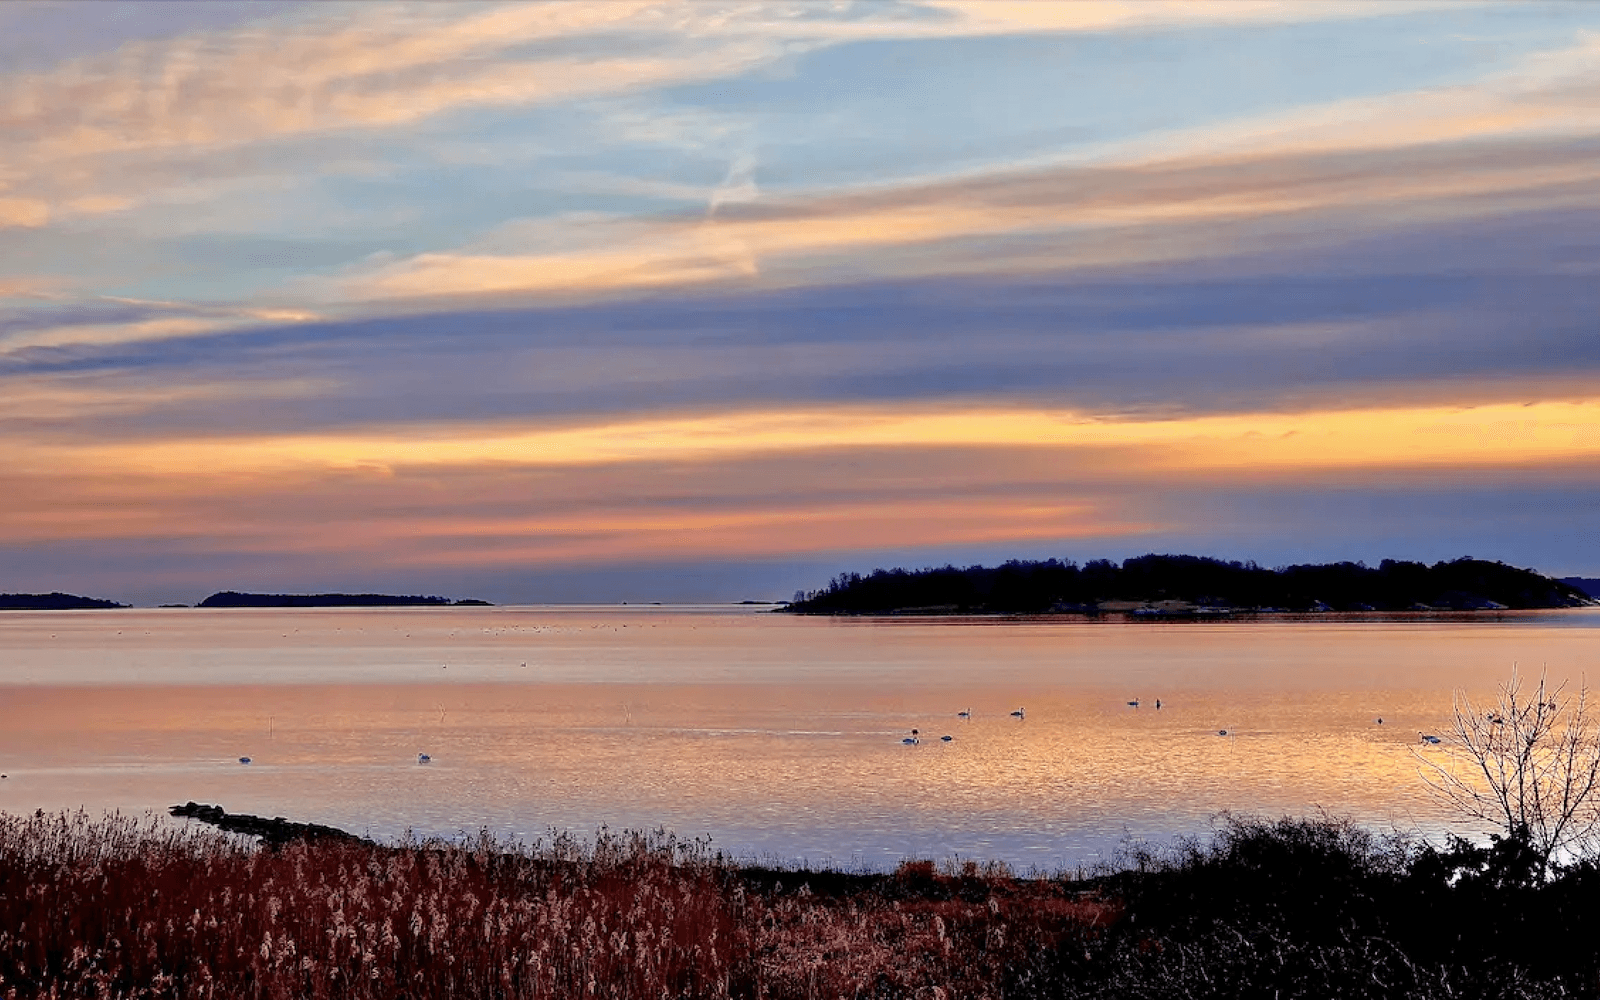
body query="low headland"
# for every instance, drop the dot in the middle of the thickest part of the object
(1192, 586)
(1588, 584)
(234, 599)
(126, 907)
(53, 602)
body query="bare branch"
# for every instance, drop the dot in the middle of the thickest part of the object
(1529, 765)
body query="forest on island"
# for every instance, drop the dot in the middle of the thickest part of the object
(1052, 585)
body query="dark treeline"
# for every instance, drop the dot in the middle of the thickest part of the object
(1031, 587)
(1323, 908)
(234, 599)
(52, 602)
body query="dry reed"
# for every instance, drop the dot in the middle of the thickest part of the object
(119, 906)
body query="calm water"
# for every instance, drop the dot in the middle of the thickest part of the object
(775, 736)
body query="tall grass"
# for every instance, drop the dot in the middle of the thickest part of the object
(130, 907)
(119, 906)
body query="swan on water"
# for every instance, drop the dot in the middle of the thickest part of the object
(965, 713)
(1428, 737)
(244, 760)
(912, 739)
(1019, 714)
(1134, 703)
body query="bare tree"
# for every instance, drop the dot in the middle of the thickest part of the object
(1529, 764)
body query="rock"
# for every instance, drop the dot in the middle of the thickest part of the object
(272, 832)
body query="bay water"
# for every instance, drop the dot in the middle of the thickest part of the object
(779, 737)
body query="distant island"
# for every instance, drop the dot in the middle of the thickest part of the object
(1190, 585)
(234, 599)
(52, 602)
(1588, 584)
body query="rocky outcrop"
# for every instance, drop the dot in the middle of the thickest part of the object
(273, 832)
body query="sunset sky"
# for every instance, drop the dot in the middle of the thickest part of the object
(692, 301)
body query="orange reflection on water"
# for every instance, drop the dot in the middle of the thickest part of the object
(772, 734)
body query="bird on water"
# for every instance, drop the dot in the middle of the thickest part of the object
(244, 760)
(1428, 737)
(423, 758)
(1019, 714)
(911, 739)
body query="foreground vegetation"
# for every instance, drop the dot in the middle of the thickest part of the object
(117, 907)
(1026, 587)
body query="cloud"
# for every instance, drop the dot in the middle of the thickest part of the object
(25, 212)
(1084, 217)
(972, 17)
(1364, 319)
(752, 484)
(27, 403)
(109, 320)
(738, 187)
(1384, 437)
(70, 134)
(1524, 140)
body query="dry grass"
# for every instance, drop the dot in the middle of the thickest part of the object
(126, 907)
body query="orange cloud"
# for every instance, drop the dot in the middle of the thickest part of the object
(670, 487)
(1465, 436)
(29, 213)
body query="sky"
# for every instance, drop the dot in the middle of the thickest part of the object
(639, 301)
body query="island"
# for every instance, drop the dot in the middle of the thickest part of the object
(234, 599)
(1192, 586)
(53, 602)
(1588, 584)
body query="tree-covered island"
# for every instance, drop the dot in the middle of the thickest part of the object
(234, 599)
(53, 602)
(1195, 585)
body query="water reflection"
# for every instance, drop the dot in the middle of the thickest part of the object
(775, 735)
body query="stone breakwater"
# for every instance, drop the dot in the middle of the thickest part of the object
(273, 831)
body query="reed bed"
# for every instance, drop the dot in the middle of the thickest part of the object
(139, 907)
(121, 906)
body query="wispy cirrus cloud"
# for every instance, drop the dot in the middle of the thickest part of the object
(1524, 141)
(110, 320)
(70, 130)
